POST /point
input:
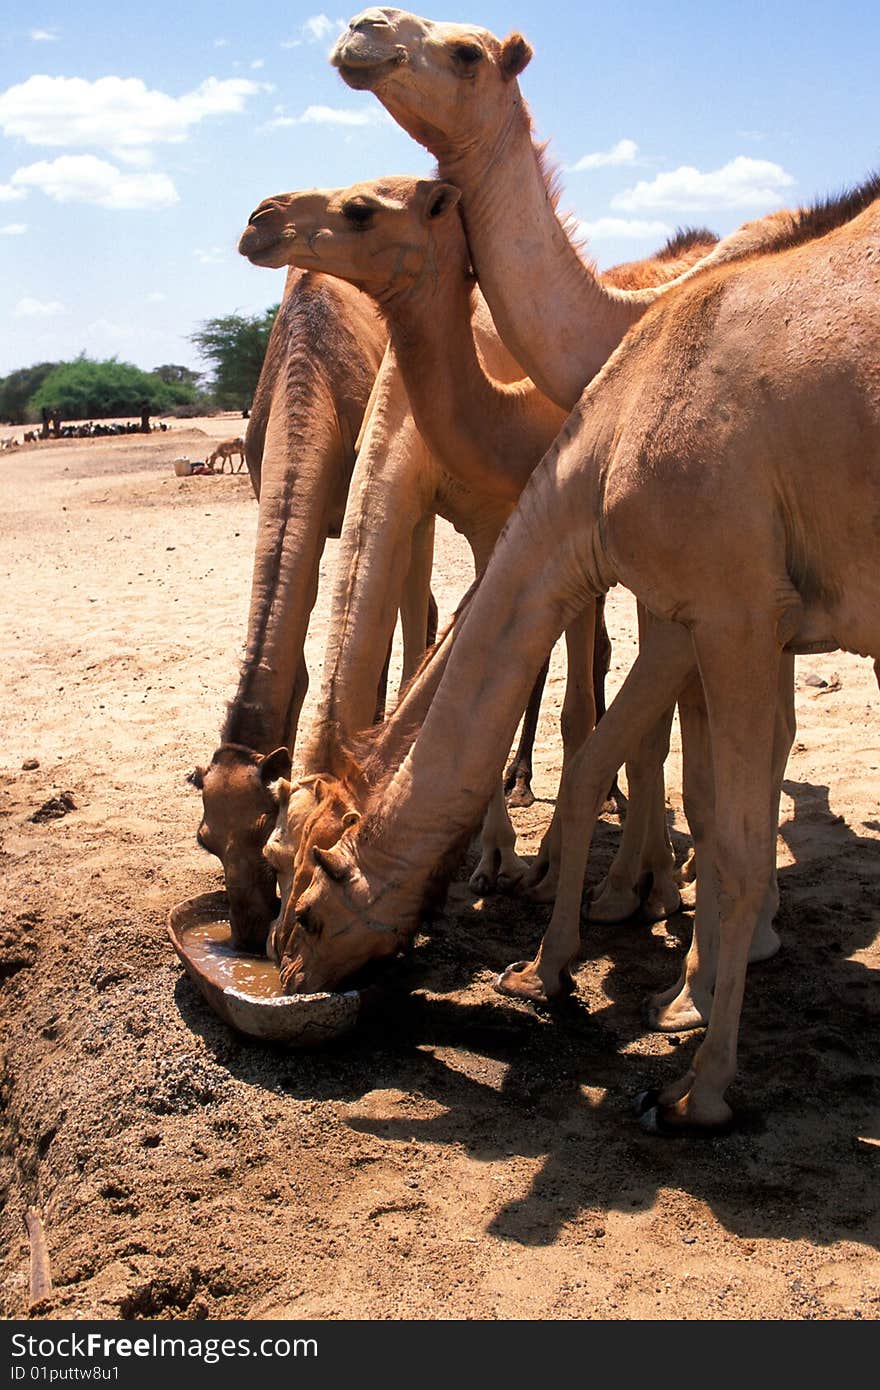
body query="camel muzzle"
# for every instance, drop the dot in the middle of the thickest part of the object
(363, 55)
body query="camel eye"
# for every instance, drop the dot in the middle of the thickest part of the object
(468, 54)
(358, 214)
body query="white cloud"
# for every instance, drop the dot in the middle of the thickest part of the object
(329, 115)
(624, 152)
(321, 26)
(8, 194)
(214, 255)
(334, 115)
(13, 229)
(43, 35)
(221, 43)
(742, 183)
(627, 228)
(82, 178)
(291, 43)
(115, 113)
(38, 308)
(156, 297)
(258, 63)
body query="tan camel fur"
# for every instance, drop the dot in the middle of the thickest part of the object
(323, 354)
(227, 450)
(749, 394)
(453, 88)
(395, 239)
(382, 236)
(396, 491)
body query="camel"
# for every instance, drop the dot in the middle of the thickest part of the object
(381, 236)
(730, 398)
(453, 88)
(227, 449)
(323, 354)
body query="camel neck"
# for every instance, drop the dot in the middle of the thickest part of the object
(550, 309)
(488, 435)
(441, 788)
(294, 513)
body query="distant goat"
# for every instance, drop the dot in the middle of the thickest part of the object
(226, 450)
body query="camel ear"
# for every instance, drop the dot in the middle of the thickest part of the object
(197, 778)
(516, 54)
(442, 198)
(279, 791)
(334, 863)
(350, 818)
(274, 766)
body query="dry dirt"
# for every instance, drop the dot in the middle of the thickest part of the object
(459, 1155)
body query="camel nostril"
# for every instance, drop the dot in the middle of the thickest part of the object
(367, 22)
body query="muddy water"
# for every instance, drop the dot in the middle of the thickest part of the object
(207, 946)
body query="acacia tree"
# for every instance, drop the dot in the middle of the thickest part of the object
(88, 390)
(235, 345)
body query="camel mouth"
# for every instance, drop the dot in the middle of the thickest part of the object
(364, 71)
(264, 246)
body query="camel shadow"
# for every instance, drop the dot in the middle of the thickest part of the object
(547, 1093)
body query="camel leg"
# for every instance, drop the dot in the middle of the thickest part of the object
(765, 942)
(663, 663)
(644, 847)
(601, 667)
(414, 601)
(518, 773)
(688, 1003)
(297, 696)
(382, 689)
(742, 718)
(578, 720)
(500, 868)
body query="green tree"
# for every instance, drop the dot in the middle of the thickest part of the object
(89, 390)
(235, 345)
(176, 375)
(17, 389)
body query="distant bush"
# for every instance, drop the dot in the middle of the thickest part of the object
(89, 390)
(17, 389)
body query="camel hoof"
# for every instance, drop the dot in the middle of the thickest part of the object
(662, 1016)
(541, 890)
(661, 902)
(688, 871)
(519, 794)
(659, 1120)
(508, 883)
(481, 883)
(612, 905)
(522, 981)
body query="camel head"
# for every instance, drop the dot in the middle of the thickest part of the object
(451, 86)
(238, 814)
(335, 928)
(380, 236)
(312, 813)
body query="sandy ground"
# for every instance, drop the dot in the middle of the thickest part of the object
(460, 1155)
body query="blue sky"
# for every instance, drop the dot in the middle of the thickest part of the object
(135, 141)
